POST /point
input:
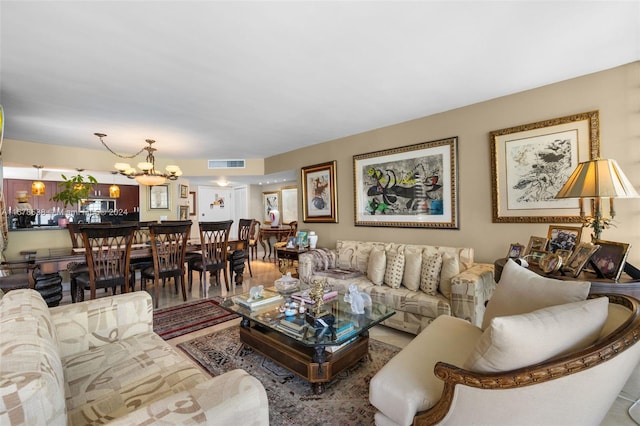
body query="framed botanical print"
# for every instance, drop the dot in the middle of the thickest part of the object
(184, 190)
(530, 163)
(183, 213)
(410, 186)
(319, 200)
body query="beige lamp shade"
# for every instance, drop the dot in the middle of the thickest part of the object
(598, 178)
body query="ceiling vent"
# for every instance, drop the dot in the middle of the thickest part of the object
(226, 164)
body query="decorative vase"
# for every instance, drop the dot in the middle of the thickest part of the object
(274, 215)
(313, 240)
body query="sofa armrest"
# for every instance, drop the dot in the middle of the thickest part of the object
(470, 290)
(92, 323)
(315, 260)
(231, 398)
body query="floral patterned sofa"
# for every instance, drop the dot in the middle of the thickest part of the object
(99, 362)
(419, 282)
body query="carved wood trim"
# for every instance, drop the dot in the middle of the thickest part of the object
(625, 336)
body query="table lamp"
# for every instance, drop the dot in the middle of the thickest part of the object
(597, 179)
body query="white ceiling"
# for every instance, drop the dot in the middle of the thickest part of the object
(249, 79)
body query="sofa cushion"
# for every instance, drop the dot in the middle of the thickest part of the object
(412, 268)
(521, 290)
(32, 385)
(517, 341)
(450, 268)
(394, 268)
(346, 254)
(430, 272)
(376, 266)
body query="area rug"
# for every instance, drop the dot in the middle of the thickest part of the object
(291, 400)
(188, 317)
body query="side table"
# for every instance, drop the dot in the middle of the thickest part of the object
(288, 260)
(625, 285)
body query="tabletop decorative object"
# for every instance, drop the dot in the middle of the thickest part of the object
(358, 300)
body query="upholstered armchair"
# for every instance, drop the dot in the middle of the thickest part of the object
(545, 354)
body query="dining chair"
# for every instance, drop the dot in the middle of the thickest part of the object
(75, 268)
(253, 241)
(214, 242)
(245, 227)
(107, 253)
(168, 248)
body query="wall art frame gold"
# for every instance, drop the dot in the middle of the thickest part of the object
(319, 193)
(531, 162)
(414, 186)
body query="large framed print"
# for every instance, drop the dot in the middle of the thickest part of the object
(159, 197)
(531, 162)
(289, 202)
(270, 201)
(319, 200)
(410, 186)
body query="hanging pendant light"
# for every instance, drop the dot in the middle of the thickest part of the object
(37, 186)
(114, 190)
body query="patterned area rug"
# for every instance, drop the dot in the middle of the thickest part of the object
(291, 400)
(191, 316)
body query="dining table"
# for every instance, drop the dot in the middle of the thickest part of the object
(49, 262)
(265, 234)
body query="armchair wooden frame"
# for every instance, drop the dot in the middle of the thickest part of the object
(609, 347)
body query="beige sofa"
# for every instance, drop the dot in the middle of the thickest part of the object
(419, 282)
(99, 362)
(546, 355)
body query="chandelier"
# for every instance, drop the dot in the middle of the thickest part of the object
(148, 175)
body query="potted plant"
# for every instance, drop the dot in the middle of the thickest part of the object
(73, 189)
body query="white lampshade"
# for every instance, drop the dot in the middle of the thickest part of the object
(150, 180)
(598, 179)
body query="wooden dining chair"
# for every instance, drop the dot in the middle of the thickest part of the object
(75, 268)
(168, 248)
(214, 241)
(107, 253)
(245, 227)
(253, 241)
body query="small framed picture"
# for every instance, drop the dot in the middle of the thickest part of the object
(581, 255)
(302, 238)
(184, 191)
(563, 237)
(536, 243)
(610, 258)
(536, 256)
(516, 250)
(551, 262)
(564, 255)
(183, 213)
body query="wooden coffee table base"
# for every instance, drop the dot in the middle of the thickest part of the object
(314, 365)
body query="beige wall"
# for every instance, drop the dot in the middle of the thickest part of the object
(615, 93)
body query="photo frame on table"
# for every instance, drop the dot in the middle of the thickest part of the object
(610, 258)
(536, 243)
(159, 197)
(536, 256)
(530, 163)
(289, 204)
(302, 238)
(563, 237)
(319, 193)
(564, 255)
(412, 186)
(183, 212)
(184, 191)
(581, 255)
(270, 201)
(192, 203)
(516, 250)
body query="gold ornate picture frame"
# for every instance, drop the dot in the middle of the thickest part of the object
(319, 193)
(531, 162)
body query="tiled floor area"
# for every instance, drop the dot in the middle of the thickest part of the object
(266, 272)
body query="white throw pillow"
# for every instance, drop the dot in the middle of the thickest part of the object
(430, 272)
(394, 268)
(521, 340)
(521, 290)
(376, 266)
(412, 269)
(450, 268)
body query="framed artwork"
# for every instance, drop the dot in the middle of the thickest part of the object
(184, 191)
(319, 199)
(302, 238)
(536, 256)
(563, 237)
(289, 202)
(183, 212)
(564, 255)
(411, 186)
(159, 197)
(192, 203)
(530, 164)
(610, 258)
(270, 201)
(536, 243)
(515, 251)
(580, 257)
(551, 262)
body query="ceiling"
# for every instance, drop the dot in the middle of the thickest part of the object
(250, 79)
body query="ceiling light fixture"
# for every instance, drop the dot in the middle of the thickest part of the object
(148, 175)
(37, 186)
(114, 190)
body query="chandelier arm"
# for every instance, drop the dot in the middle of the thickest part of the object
(100, 135)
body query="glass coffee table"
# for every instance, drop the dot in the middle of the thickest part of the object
(317, 354)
